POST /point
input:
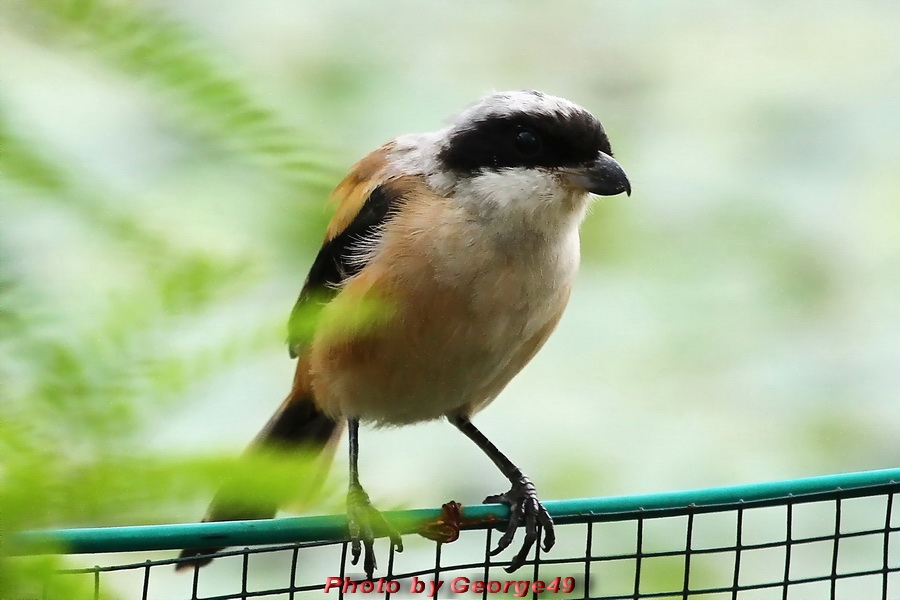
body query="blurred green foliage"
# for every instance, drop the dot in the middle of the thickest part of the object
(145, 45)
(76, 391)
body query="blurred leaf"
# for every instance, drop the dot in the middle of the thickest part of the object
(33, 577)
(26, 167)
(132, 490)
(71, 420)
(146, 44)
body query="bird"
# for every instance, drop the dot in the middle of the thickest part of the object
(447, 264)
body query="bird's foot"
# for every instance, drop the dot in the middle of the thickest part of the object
(364, 523)
(524, 508)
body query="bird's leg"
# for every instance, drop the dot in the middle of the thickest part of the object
(522, 500)
(363, 520)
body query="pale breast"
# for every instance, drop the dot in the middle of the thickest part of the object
(456, 312)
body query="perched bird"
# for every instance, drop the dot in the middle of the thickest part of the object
(447, 265)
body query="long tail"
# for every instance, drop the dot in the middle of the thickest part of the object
(297, 425)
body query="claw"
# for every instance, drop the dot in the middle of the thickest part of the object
(546, 523)
(524, 506)
(363, 522)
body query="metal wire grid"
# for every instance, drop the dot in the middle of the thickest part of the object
(842, 544)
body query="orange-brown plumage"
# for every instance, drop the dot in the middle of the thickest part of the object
(352, 192)
(443, 335)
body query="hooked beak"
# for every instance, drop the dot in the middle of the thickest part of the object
(604, 177)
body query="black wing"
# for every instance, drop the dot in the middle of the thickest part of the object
(336, 262)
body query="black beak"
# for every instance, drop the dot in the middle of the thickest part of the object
(604, 177)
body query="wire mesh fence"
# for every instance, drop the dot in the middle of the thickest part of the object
(835, 537)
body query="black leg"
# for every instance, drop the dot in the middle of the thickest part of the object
(363, 521)
(353, 432)
(524, 506)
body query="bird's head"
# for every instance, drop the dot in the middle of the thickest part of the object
(517, 156)
(529, 132)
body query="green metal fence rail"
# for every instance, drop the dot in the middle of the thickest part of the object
(834, 536)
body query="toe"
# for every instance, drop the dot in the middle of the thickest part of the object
(531, 533)
(546, 524)
(519, 559)
(369, 563)
(508, 535)
(396, 541)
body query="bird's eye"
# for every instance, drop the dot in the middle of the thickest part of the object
(528, 143)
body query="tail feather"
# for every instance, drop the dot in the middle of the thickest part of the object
(297, 425)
